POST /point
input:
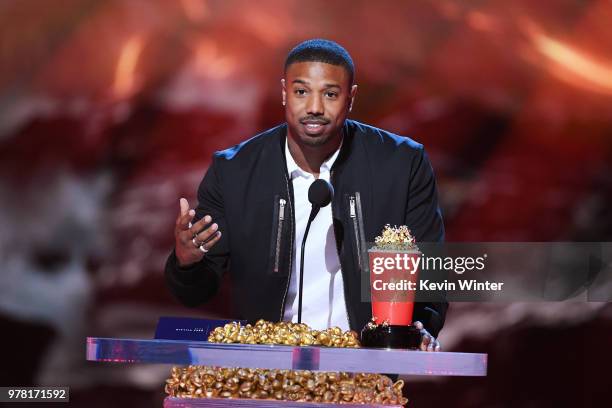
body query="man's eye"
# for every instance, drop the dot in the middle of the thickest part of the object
(300, 92)
(331, 94)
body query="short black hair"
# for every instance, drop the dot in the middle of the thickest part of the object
(321, 50)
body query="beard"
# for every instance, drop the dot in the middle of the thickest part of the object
(314, 141)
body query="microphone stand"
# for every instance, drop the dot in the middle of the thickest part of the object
(313, 214)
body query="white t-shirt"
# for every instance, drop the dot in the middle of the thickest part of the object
(323, 302)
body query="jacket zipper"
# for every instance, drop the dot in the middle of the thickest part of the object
(353, 214)
(362, 243)
(291, 243)
(279, 232)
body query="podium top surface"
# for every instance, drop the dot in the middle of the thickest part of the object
(363, 360)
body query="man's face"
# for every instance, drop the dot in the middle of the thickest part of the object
(318, 97)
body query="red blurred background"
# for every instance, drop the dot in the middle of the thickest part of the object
(110, 111)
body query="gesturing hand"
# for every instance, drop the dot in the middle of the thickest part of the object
(429, 342)
(193, 241)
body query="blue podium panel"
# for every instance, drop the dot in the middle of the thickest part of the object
(225, 402)
(354, 360)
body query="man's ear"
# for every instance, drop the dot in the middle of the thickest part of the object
(352, 96)
(284, 92)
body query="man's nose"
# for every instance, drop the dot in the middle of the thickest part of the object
(315, 105)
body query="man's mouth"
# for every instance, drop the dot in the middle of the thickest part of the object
(314, 127)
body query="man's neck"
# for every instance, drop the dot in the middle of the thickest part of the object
(310, 158)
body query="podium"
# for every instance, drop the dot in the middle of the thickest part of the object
(362, 360)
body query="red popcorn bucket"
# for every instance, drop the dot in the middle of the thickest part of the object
(393, 282)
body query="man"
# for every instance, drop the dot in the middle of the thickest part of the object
(253, 206)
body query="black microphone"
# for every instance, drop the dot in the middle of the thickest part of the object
(320, 194)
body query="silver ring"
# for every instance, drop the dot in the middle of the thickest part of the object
(196, 243)
(190, 224)
(203, 249)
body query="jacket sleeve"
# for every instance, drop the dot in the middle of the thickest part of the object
(197, 283)
(424, 218)
(423, 215)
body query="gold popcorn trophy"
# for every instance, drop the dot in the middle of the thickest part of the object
(393, 280)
